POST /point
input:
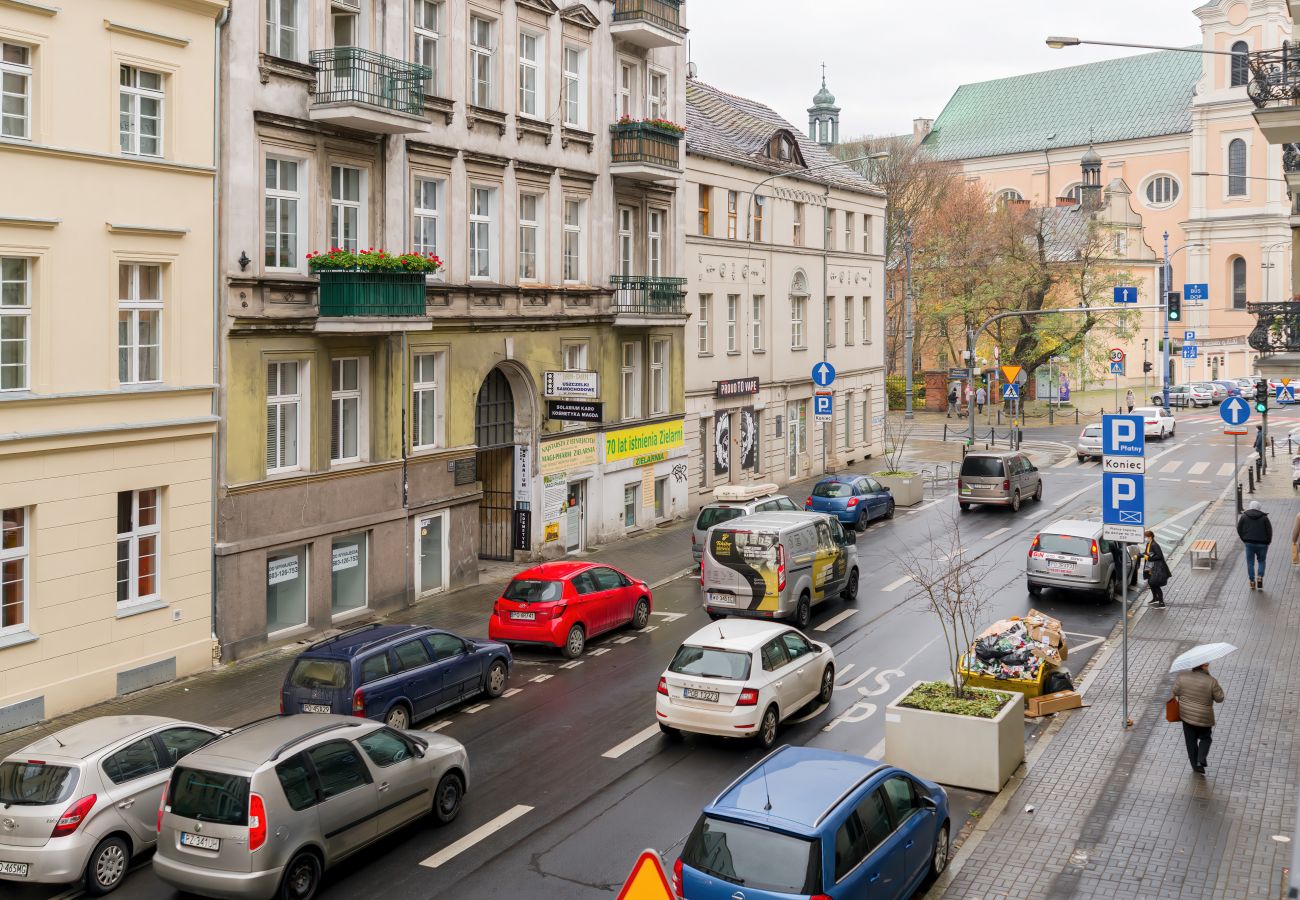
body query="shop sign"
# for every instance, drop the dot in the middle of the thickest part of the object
(346, 557)
(567, 454)
(575, 411)
(736, 387)
(523, 473)
(583, 385)
(649, 459)
(659, 437)
(281, 570)
(523, 529)
(552, 532)
(555, 495)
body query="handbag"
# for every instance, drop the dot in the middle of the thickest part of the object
(1173, 712)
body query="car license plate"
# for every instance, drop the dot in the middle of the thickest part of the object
(317, 708)
(8, 868)
(721, 599)
(1067, 568)
(527, 617)
(693, 694)
(202, 841)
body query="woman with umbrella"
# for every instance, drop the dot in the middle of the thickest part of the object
(1197, 691)
(1155, 570)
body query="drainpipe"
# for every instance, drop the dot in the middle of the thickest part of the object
(827, 324)
(216, 317)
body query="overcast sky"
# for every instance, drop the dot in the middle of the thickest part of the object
(890, 62)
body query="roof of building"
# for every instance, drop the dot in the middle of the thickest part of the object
(1066, 231)
(1114, 100)
(733, 129)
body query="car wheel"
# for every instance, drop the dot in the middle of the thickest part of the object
(301, 877)
(889, 511)
(107, 866)
(1015, 501)
(828, 685)
(1162, 433)
(496, 679)
(851, 589)
(766, 735)
(446, 800)
(398, 718)
(939, 861)
(860, 525)
(641, 615)
(1111, 593)
(1035, 589)
(1038, 492)
(1083, 459)
(713, 616)
(670, 732)
(803, 613)
(964, 507)
(574, 643)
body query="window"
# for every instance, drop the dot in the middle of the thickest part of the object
(135, 760)
(661, 497)
(796, 321)
(178, 742)
(286, 589)
(656, 95)
(139, 309)
(575, 357)
(866, 233)
(901, 798)
(1162, 190)
(426, 405)
(706, 216)
(848, 231)
(866, 320)
(482, 213)
(659, 376)
(295, 781)
(339, 768)
(1121, 243)
(411, 655)
(731, 215)
(428, 223)
(345, 410)
(830, 229)
(828, 323)
(655, 244)
(375, 667)
(283, 425)
(15, 322)
(531, 80)
(427, 29)
(631, 380)
(704, 452)
(848, 321)
(631, 500)
(866, 418)
(758, 218)
(574, 211)
(626, 98)
(863, 831)
(848, 422)
(773, 655)
(345, 24)
(733, 310)
(1240, 66)
(1010, 195)
(797, 238)
(140, 111)
(283, 195)
(1238, 283)
(15, 91)
(14, 551)
(385, 747)
(137, 545)
(702, 323)
(626, 241)
(529, 226)
(1237, 168)
(575, 88)
(282, 28)
(347, 213)
(756, 322)
(482, 89)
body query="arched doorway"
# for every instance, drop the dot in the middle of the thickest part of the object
(494, 433)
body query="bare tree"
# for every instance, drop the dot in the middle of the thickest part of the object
(897, 432)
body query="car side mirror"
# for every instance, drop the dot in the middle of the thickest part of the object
(419, 750)
(928, 802)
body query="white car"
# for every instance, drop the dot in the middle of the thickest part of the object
(1157, 422)
(741, 678)
(1089, 444)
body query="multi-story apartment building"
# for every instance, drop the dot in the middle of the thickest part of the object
(106, 348)
(785, 270)
(379, 437)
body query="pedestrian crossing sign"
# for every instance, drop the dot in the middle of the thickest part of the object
(1011, 392)
(648, 880)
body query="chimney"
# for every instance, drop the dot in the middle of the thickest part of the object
(1066, 201)
(921, 129)
(1020, 205)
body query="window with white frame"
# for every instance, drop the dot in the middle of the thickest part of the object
(575, 357)
(482, 33)
(140, 111)
(14, 554)
(426, 400)
(427, 214)
(656, 95)
(797, 309)
(655, 243)
(532, 74)
(15, 323)
(631, 501)
(285, 419)
(139, 323)
(1237, 168)
(138, 527)
(756, 322)
(347, 208)
(426, 27)
(283, 28)
(282, 215)
(661, 497)
(733, 314)
(702, 323)
(849, 321)
(828, 323)
(1162, 190)
(482, 216)
(575, 87)
(631, 380)
(345, 23)
(15, 91)
(626, 100)
(797, 226)
(866, 233)
(758, 219)
(732, 199)
(530, 227)
(574, 264)
(626, 240)
(848, 231)
(848, 421)
(347, 410)
(659, 348)
(866, 320)
(866, 417)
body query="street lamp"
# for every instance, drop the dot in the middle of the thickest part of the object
(1268, 266)
(1059, 42)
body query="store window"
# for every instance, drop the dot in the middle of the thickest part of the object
(286, 589)
(661, 498)
(631, 500)
(348, 574)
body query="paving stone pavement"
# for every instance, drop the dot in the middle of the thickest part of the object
(1119, 814)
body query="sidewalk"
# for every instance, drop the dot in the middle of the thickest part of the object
(1118, 813)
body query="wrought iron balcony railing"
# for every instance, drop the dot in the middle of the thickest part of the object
(664, 13)
(1277, 327)
(354, 75)
(652, 296)
(645, 142)
(1275, 76)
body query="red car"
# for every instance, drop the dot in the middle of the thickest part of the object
(562, 604)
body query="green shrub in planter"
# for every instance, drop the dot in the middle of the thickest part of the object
(937, 696)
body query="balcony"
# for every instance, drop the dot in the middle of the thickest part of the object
(641, 300)
(1277, 327)
(368, 91)
(1291, 169)
(373, 302)
(1274, 88)
(649, 23)
(644, 151)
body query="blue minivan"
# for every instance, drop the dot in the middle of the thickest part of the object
(394, 673)
(815, 824)
(853, 499)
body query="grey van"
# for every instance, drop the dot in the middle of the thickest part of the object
(777, 565)
(732, 502)
(266, 810)
(1072, 555)
(997, 478)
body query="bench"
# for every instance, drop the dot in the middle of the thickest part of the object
(1204, 551)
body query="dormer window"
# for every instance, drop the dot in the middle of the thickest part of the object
(783, 148)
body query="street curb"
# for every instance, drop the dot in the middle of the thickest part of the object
(654, 586)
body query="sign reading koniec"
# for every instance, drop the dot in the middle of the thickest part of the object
(644, 440)
(736, 387)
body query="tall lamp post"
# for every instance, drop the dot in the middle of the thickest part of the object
(1164, 310)
(909, 330)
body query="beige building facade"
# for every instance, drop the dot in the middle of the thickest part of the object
(106, 349)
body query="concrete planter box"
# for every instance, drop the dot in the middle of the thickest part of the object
(963, 751)
(908, 490)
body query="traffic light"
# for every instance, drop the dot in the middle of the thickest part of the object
(1146, 365)
(1261, 396)
(1175, 306)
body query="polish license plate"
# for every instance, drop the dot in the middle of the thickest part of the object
(524, 616)
(721, 599)
(317, 708)
(201, 841)
(1064, 568)
(8, 868)
(693, 694)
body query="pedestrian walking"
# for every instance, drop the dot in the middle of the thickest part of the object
(1155, 570)
(1295, 542)
(1130, 400)
(1197, 692)
(1259, 440)
(980, 397)
(1256, 532)
(952, 401)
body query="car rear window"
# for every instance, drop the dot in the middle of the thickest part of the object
(26, 783)
(713, 515)
(1092, 431)
(754, 857)
(209, 796)
(319, 673)
(711, 662)
(1147, 412)
(532, 590)
(982, 467)
(1065, 543)
(833, 489)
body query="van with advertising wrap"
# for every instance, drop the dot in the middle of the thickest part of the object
(777, 565)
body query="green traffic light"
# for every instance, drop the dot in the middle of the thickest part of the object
(1261, 407)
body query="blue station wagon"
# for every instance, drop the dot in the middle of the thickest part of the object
(853, 499)
(396, 674)
(810, 823)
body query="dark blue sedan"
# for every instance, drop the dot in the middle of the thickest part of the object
(853, 499)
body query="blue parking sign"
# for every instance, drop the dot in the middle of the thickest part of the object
(1123, 436)
(1123, 499)
(823, 404)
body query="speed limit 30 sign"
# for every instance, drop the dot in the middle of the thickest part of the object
(1116, 355)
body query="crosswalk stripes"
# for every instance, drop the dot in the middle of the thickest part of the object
(1198, 468)
(1225, 470)
(1171, 466)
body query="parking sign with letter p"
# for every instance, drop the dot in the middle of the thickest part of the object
(1123, 436)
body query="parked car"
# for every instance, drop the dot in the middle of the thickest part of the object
(1158, 422)
(1089, 444)
(1231, 388)
(732, 501)
(997, 478)
(79, 804)
(1184, 395)
(565, 604)
(1072, 555)
(397, 674)
(741, 678)
(1218, 393)
(853, 499)
(267, 810)
(777, 566)
(812, 823)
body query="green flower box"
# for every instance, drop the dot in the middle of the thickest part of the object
(352, 292)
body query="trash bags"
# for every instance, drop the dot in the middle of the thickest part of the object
(1058, 680)
(1019, 648)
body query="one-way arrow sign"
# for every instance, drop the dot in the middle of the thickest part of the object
(1234, 410)
(823, 374)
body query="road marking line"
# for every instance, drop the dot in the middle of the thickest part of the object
(598, 651)
(451, 851)
(992, 534)
(654, 586)
(1093, 641)
(845, 670)
(441, 725)
(572, 665)
(1171, 466)
(897, 584)
(625, 639)
(478, 708)
(512, 692)
(877, 752)
(540, 678)
(1039, 514)
(650, 628)
(925, 506)
(1198, 468)
(671, 617)
(835, 620)
(639, 738)
(1194, 481)
(1225, 470)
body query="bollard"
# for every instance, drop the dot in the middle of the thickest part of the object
(1250, 477)
(945, 432)
(999, 416)
(1051, 420)
(1239, 506)
(1272, 447)
(1076, 415)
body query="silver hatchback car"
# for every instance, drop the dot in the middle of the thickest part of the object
(264, 811)
(1072, 555)
(732, 502)
(78, 804)
(1089, 445)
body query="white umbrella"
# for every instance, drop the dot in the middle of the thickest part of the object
(1201, 655)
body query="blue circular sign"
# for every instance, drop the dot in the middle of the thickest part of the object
(1234, 411)
(823, 374)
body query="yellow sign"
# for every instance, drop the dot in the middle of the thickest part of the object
(552, 531)
(1286, 382)
(648, 880)
(1010, 373)
(627, 443)
(568, 453)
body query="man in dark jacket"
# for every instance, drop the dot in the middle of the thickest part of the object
(1256, 532)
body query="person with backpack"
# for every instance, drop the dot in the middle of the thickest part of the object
(1256, 533)
(952, 401)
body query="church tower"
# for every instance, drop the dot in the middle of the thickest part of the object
(824, 116)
